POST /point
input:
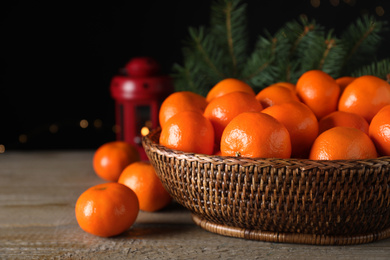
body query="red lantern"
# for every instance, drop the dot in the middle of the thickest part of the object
(138, 94)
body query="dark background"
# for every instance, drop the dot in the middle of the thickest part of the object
(58, 58)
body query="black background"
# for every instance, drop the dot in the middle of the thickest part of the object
(58, 58)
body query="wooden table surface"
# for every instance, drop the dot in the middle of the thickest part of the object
(38, 192)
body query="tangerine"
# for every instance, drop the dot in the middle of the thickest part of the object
(342, 143)
(276, 95)
(221, 110)
(111, 158)
(319, 91)
(107, 209)
(300, 122)
(343, 82)
(379, 131)
(365, 96)
(181, 101)
(342, 118)
(255, 134)
(228, 85)
(284, 84)
(188, 131)
(143, 180)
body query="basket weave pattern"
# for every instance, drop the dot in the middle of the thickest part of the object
(346, 198)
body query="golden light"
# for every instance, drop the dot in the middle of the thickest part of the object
(53, 128)
(84, 123)
(97, 123)
(380, 11)
(335, 2)
(2, 148)
(350, 2)
(144, 131)
(315, 3)
(149, 124)
(22, 138)
(116, 128)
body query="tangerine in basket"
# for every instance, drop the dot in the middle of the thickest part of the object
(111, 158)
(228, 85)
(319, 91)
(284, 84)
(255, 134)
(343, 82)
(343, 143)
(221, 110)
(181, 101)
(276, 95)
(188, 131)
(143, 180)
(342, 118)
(300, 122)
(365, 96)
(107, 209)
(379, 131)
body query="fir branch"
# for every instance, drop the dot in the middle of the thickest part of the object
(298, 33)
(361, 40)
(359, 32)
(263, 66)
(295, 31)
(324, 53)
(221, 51)
(261, 58)
(380, 69)
(204, 46)
(311, 51)
(330, 43)
(229, 25)
(228, 11)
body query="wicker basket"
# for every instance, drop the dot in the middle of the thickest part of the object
(279, 200)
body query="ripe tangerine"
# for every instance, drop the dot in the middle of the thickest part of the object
(107, 209)
(190, 132)
(143, 180)
(111, 158)
(343, 143)
(255, 134)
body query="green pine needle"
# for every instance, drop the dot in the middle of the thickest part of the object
(222, 51)
(229, 25)
(380, 69)
(361, 41)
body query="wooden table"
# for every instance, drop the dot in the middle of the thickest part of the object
(38, 192)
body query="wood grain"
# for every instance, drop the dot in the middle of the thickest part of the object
(38, 191)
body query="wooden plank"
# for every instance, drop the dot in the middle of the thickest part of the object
(38, 191)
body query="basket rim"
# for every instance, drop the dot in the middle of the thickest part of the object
(147, 142)
(284, 237)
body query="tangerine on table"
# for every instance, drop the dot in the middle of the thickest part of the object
(276, 95)
(365, 96)
(181, 101)
(221, 110)
(379, 131)
(111, 158)
(300, 122)
(343, 143)
(255, 134)
(107, 209)
(143, 180)
(342, 118)
(319, 91)
(228, 85)
(188, 131)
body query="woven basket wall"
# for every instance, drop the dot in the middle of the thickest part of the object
(279, 200)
